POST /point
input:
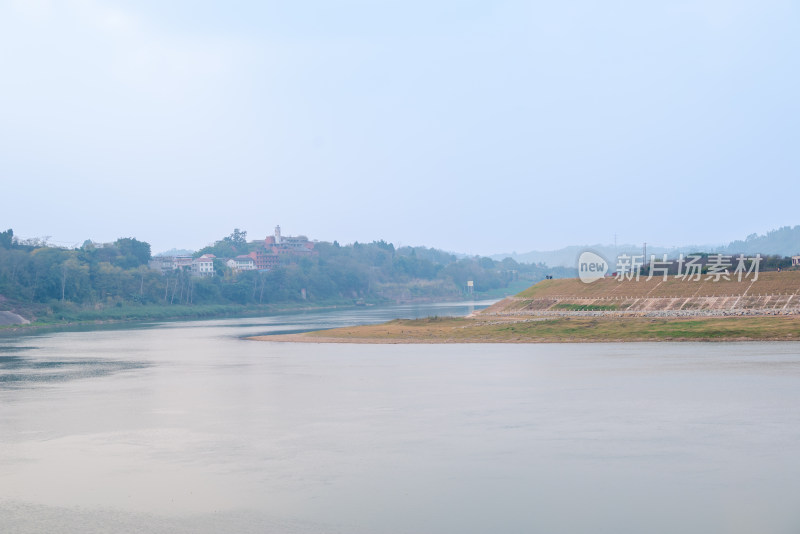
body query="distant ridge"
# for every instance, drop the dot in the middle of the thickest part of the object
(784, 241)
(176, 252)
(568, 256)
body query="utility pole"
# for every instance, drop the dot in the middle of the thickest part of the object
(644, 252)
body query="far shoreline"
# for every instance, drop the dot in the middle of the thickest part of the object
(133, 316)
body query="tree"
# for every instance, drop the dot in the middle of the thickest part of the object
(132, 252)
(238, 238)
(72, 269)
(7, 238)
(227, 247)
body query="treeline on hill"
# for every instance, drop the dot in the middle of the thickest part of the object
(783, 242)
(38, 278)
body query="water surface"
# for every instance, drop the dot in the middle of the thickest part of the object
(188, 427)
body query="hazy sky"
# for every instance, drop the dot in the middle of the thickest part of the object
(473, 126)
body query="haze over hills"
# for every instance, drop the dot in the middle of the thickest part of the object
(784, 241)
(176, 252)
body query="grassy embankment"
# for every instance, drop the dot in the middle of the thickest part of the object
(772, 291)
(768, 283)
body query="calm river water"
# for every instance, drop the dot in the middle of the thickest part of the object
(188, 427)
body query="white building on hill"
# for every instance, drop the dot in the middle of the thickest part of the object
(245, 262)
(203, 266)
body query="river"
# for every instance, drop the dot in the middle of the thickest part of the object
(189, 427)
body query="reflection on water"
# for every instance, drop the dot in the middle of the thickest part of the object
(187, 427)
(18, 370)
(21, 366)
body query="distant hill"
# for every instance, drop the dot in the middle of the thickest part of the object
(784, 241)
(568, 256)
(176, 252)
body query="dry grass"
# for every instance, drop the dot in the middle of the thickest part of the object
(767, 284)
(772, 290)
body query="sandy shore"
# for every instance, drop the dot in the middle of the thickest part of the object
(556, 330)
(301, 338)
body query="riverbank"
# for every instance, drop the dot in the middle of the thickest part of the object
(23, 316)
(143, 314)
(482, 329)
(68, 319)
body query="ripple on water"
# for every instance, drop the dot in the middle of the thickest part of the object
(16, 370)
